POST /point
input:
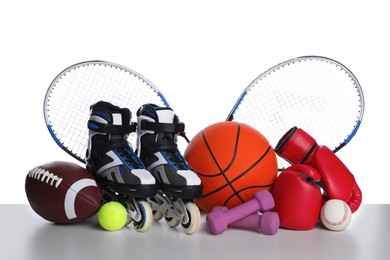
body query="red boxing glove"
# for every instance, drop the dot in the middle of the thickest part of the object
(298, 147)
(298, 197)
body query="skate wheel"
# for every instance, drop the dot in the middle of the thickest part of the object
(147, 217)
(157, 215)
(172, 222)
(129, 220)
(194, 219)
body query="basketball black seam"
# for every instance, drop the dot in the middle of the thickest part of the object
(247, 188)
(231, 163)
(237, 178)
(215, 159)
(230, 182)
(222, 172)
(253, 165)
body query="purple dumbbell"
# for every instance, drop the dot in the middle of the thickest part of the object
(268, 223)
(218, 221)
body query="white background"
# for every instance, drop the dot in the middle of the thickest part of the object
(201, 54)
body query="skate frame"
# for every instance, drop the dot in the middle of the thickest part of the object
(171, 208)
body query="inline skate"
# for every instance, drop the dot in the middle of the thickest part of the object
(157, 131)
(120, 174)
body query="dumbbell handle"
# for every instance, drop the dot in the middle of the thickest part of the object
(262, 201)
(251, 221)
(268, 223)
(218, 221)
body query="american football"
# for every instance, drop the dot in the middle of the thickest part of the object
(62, 192)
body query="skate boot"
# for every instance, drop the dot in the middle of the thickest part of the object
(157, 131)
(121, 175)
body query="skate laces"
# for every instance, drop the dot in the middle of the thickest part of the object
(130, 158)
(176, 159)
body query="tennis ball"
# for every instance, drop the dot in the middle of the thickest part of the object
(112, 216)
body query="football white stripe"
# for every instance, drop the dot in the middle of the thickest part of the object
(70, 197)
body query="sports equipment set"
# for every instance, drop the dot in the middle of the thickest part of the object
(121, 127)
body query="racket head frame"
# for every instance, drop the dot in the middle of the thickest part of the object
(354, 130)
(70, 69)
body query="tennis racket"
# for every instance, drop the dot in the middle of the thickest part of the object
(75, 89)
(317, 94)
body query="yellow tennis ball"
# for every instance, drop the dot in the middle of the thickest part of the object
(112, 216)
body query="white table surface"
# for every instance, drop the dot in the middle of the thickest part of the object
(25, 235)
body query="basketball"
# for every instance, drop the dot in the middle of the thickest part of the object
(234, 161)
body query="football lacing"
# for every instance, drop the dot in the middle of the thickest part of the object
(45, 176)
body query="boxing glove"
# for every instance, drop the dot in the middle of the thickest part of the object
(298, 198)
(298, 147)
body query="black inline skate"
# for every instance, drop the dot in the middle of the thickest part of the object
(120, 174)
(157, 131)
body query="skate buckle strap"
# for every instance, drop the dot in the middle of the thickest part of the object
(109, 146)
(162, 127)
(110, 128)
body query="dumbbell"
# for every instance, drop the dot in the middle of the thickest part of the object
(218, 221)
(267, 223)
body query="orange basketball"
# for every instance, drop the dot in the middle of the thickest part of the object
(234, 161)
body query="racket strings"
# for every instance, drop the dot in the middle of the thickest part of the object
(72, 94)
(315, 95)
